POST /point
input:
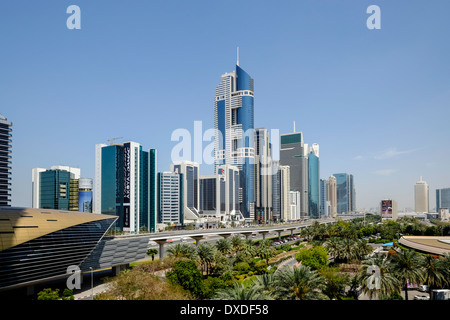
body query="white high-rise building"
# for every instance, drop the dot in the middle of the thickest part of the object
(170, 206)
(421, 196)
(191, 187)
(332, 195)
(97, 201)
(285, 187)
(219, 194)
(295, 200)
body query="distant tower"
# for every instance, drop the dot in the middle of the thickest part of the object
(421, 196)
(5, 161)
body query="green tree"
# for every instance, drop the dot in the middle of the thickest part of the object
(67, 295)
(206, 253)
(315, 258)
(266, 283)
(151, 252)
(182, 250)
(48, 294)
(389, 283)
(239, 291)
(362, 249)
(224, 246)
(335, 282)
(186, 274)
(333, 247)
(405, 268)
(434, 272)
(299, 283)
(265, 250)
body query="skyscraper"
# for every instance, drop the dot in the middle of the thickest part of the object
(55, 188)
(5, 161)
(234, 125)
(332, 195)
(323, 198)
(442, 198)
(313, 182)
(345, 193)
(293, 154)
(263, 176)
(191, 187)
(219, 194)
(170, 202)
(126, 176)
(421, 196)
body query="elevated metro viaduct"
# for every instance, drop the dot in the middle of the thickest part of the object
(39, 245)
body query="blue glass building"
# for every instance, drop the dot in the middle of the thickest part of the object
(128, 181)
(234, 139)
(345, 193)
(313, 186)
(442, 198)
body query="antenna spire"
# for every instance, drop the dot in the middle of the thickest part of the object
(237, 56)
(294, 126)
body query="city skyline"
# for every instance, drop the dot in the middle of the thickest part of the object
(376, 101)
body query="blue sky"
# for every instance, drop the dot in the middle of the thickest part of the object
(376, 101)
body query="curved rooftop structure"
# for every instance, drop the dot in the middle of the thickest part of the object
(427, 244)
(40, 244)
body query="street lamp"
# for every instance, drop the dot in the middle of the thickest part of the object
(92, 283)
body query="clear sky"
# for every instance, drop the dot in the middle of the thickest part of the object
(376, 101)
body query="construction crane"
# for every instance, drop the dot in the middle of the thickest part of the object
(112, 139)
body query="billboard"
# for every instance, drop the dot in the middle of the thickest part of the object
(85, 201)
(386, 209)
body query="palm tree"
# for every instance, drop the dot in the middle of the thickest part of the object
(151, 252)
(224, 246)
(362, 249)
(266, 283)
(180, 250)
(206, 254)
(446, 262)
(239, 291)
(346, 250)
(405, 268)
(388, 282)
(434, 270)
(333, 246)
(237, 244)
(265, 250)
(299, 283)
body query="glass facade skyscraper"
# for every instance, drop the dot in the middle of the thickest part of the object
(234, 125)
(127, 178)
(313, 185)
(345, 193)
(5, 161)
(442, 198)
(293, 154)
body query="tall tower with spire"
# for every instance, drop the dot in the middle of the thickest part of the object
(234, 125)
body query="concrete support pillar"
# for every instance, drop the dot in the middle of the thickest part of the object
(161, 247)
(264, 234)
(118, 269)
(197, 239)
(247, 234)
(279, 234)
